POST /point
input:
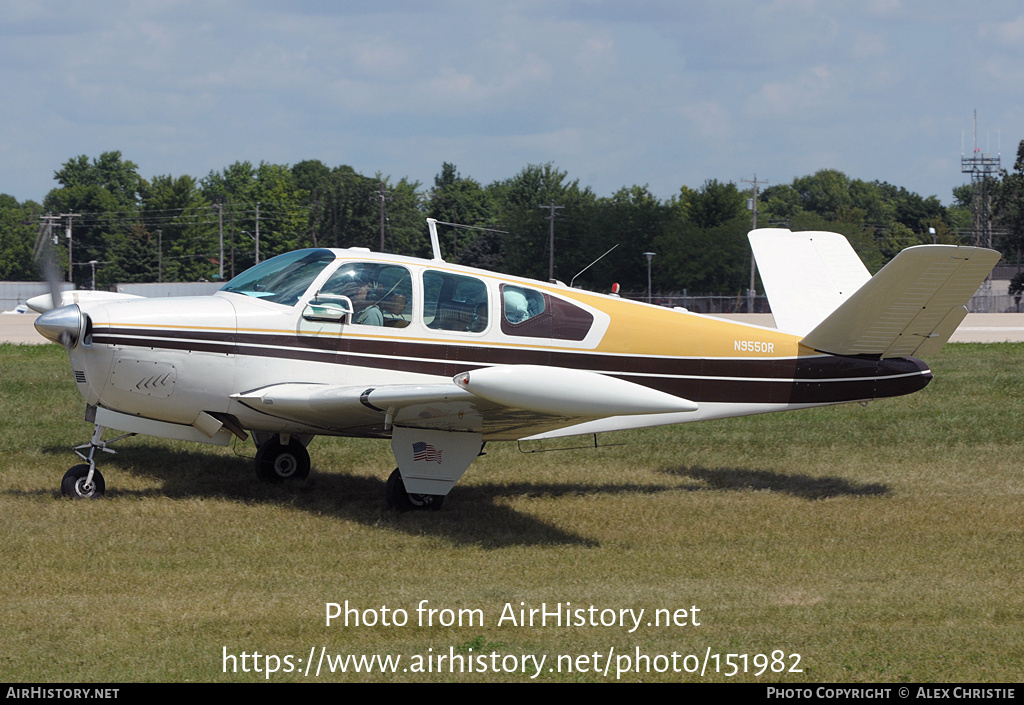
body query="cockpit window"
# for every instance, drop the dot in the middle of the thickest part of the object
(282, 279)
(381, 294)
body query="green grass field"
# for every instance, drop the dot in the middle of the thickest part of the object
(880, 543)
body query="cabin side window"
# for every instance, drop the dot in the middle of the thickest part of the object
(454, 302)
(381, 294)
(531, 313)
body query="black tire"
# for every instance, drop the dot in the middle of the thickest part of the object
(276, 462)
(402, 501)
(73, 484)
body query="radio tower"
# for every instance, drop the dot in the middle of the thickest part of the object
(982, 168)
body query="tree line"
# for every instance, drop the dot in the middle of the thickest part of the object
(168, 228)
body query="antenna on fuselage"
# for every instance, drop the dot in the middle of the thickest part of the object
(591, 264)
(434, 244)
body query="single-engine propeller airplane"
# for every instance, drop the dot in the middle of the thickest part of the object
(442, 358)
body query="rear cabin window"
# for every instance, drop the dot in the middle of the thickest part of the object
(535, 314)
(454, 302)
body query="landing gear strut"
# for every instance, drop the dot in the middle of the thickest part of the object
(403, 501)
(84, 481)
(278, 462)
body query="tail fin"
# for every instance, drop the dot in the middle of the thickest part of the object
(807, 275)
(819, 288)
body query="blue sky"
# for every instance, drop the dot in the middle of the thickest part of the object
(615, 93)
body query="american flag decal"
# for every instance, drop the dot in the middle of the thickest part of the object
(425, 451)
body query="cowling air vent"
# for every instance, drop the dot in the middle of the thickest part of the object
(80, 376)
(154, 379)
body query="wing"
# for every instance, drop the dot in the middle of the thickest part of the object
(500, 402)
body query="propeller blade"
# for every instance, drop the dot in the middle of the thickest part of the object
(46, 259)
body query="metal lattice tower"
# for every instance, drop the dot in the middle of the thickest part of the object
(982, 168)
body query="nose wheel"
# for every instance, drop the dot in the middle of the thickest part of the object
(82, 483)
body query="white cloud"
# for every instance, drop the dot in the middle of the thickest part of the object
(707, 119)
(801, 98)
(1009, 33)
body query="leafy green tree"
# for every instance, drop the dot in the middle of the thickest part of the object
(715, 204)
(702, 245)
(522, 203)
(268, 196)
(630, 220)
(826, 192)
(405, 227)
(19, 225)
(135, 259)
(105, 192)
(910, 209)
(1008, 207)
(870, 204)
(97, 225)
(455, 199)
(779, 203)
(117, 176)
(958, 215)
(700, 260)
(283, 212)
(177, 207)
(309, 173)
(342, 212)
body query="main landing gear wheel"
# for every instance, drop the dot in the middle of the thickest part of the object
(74, 484)
(403, 501)
(276, 462)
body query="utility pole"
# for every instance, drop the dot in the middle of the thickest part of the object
(551, 238)
(232, 243)
(257, 232)
(382, 195)
(751, 291)
(313, 222)
(649, 255)
(67, 233)
(159, 255)
(220, 232)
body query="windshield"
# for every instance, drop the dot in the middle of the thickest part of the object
(282, 279)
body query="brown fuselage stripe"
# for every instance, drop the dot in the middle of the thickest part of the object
(804, 380)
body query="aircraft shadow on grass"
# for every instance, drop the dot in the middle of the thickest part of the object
(803, 486)
(476, 519)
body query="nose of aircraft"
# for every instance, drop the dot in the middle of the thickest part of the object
(61, 325)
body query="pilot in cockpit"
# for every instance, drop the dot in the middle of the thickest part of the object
(366, 297)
